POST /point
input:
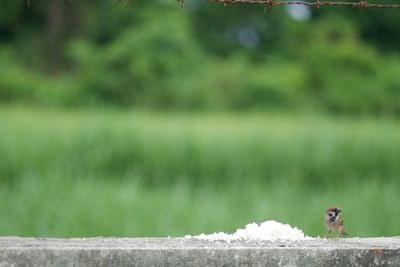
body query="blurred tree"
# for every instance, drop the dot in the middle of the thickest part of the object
(56, 27)
(154, 54)
(377, 26)
(239, 29)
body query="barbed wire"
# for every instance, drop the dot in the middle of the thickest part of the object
(270, 3)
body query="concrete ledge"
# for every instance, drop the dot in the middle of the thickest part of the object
(15, 251)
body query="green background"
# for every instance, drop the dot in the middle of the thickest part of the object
(145, 119)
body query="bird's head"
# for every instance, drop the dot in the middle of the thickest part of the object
(332, 213)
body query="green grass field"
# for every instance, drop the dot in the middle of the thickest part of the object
(130, 173)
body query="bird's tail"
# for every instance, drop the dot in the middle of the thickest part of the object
(343, 231)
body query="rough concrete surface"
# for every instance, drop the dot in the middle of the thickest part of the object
(16, 251)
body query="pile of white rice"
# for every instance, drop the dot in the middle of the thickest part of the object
(266, 231)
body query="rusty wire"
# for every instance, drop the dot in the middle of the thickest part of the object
(270, 3)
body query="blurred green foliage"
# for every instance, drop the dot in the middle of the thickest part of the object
(204, 57)
(197, 150)
(114, 173)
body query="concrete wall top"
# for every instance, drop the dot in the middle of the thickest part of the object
(16, 251)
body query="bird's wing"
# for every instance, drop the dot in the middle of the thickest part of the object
(341, 221)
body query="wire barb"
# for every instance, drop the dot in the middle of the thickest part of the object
(268, 6)
(363, 4)
(227, 2)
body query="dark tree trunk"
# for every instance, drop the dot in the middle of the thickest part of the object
(55, 34)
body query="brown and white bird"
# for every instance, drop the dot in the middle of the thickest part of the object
(333, 222)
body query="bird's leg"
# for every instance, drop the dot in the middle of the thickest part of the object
(326, 236)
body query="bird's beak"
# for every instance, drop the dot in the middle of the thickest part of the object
(339, 210)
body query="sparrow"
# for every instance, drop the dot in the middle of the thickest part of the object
(333, 222)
